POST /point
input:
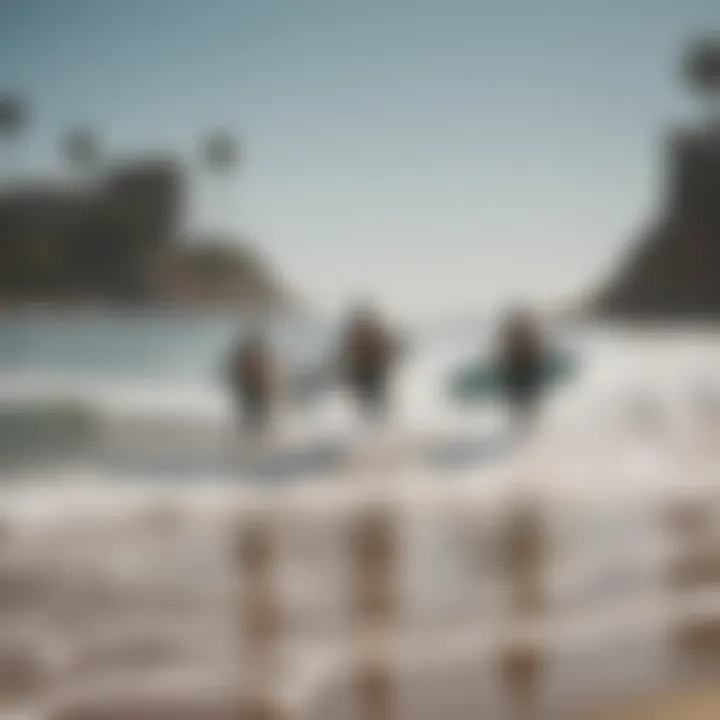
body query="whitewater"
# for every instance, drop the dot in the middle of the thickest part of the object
(121, 545)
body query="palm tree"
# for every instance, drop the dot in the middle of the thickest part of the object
(220, 152)
(14, 117)
(80, 147)
(219, 155)
(702, 69)
(13, 113)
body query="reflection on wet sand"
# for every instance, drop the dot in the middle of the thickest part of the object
(127, 597)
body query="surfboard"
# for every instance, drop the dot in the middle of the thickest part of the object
(482, 380)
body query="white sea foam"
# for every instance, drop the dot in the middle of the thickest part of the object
(148, 521)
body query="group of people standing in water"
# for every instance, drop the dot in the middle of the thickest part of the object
(367, 355)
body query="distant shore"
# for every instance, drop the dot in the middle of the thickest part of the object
(64, 308)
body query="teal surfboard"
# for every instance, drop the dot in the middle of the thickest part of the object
(482, 380)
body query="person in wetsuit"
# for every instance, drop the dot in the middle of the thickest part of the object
(252, 381)
(521, 356)
(368, 352)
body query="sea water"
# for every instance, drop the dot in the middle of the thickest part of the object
(151, 389)
(638, 423)
(152, 386)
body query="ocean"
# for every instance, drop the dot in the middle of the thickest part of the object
(160, 379)
(150, 387)
(108, 419)
(116, 371)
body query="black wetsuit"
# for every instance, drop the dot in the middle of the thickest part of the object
(367, 367)
(251, 389)
(369, 385)
(521, 381)
(521, 372)
(252, 408)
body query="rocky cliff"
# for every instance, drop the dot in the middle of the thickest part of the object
(674, 269)
(116, 241)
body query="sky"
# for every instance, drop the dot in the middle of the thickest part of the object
(442, 156)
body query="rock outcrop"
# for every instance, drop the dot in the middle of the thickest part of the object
(116, 241)
(674, 269)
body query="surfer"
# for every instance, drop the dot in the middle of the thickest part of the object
(521, 358)
(367, 355)
(252, 381)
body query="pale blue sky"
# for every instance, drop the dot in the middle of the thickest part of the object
(442, 154)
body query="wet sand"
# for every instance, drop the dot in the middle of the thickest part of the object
(107, 583)
(120, 591)
(686, 704)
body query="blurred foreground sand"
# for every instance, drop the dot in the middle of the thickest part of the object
(691, 704)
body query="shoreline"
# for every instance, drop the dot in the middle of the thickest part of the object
(154, 310)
